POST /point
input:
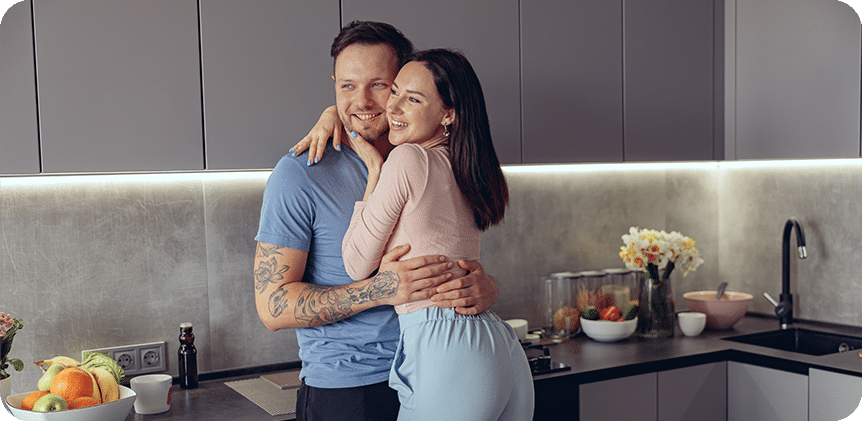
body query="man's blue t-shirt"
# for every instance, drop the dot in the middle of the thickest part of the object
(308, 208)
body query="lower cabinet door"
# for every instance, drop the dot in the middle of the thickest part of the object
(765, 394)
(693, 393)
(626, 398)
(833, 396)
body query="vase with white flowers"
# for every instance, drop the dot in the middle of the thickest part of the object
(657, 254)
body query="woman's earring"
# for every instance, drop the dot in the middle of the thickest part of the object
(445, 130)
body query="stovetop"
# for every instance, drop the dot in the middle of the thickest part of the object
(539, 357)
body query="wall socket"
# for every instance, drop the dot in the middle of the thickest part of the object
(137, 359)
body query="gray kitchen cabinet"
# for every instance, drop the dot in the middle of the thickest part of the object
(571, 74)
(765, 394)
(670, 72)
(485, 31)
(797, 79)
(266, 76)
(19, 136)
(119, 85)
(833, 396)
(624, 81)
(602, 400)
(693, 393)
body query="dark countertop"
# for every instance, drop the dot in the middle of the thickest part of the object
(592, 361)
(212, 400)
(589, 361)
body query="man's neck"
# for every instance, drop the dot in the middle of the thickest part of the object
(383, 146)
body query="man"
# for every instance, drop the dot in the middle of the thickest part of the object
(347, 331)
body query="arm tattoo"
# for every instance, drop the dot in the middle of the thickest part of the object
(278, 301)
(268, 272)
(318, 305)
(268, 251)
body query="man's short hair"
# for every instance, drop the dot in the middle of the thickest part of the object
(371, 33)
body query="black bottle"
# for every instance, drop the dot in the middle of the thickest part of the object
(187, 357)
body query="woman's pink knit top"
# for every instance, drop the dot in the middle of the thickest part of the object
(416, 202)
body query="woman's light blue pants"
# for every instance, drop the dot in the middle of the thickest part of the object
(454, 367)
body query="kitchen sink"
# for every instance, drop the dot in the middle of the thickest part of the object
(804, 341)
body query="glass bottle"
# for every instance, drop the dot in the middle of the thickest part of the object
(187, 358)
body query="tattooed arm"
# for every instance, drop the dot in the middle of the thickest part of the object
(283, 301)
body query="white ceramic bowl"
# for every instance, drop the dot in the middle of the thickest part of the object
(113, 411)
(606, 331)
(520, 328)
(691, 323)
(721, 314)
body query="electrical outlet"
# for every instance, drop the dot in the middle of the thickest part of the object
(125, 358)
(137, 359)
(151, 358)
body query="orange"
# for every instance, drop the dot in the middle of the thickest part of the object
(31, 399)
(72, 383)
(83, 402)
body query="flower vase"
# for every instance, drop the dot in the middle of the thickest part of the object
(655, 308)
(5, 388)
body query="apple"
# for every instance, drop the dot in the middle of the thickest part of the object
(567, 319)
(44, 383)
(50, 403)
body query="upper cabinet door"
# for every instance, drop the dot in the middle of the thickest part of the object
(571, 59)
(797, 67)
(266, 76)
(485, 31)
(19, 136)
(119, 85)
(670, 112)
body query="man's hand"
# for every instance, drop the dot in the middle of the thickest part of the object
(471, 294)
(411, 280)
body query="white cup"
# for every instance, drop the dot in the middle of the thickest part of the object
(692, 323)
(520, 327)
(153, 393)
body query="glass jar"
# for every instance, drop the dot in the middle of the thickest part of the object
(560, 318)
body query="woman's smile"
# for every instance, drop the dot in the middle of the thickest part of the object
(415, 110)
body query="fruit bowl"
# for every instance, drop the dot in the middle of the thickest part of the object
(113, 411)
(607, 331)
(720, 314)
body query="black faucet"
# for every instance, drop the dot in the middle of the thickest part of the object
(784, 308)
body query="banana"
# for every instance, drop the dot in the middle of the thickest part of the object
(108, 387)
(97, 394)
(66, 361)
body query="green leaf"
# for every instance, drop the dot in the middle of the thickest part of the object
(17, 364)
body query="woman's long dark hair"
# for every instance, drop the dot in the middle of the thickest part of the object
(474, 161)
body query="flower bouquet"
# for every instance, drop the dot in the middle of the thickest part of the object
(657, 254)
(8, 328)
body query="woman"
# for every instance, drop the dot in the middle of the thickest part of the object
(439, 188)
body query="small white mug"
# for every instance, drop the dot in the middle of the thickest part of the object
(520, 327)
(691, 322)
(153, 393)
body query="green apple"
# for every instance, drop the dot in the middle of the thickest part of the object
(50, 403)
(44, 383)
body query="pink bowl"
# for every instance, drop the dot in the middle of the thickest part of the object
(720, 314)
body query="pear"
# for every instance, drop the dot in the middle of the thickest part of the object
(44, 383)
(50, 403)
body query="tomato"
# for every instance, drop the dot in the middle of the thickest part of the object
(612, 313)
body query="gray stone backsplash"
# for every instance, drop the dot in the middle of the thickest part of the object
(98, 261)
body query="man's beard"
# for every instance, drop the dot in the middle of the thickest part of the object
(370, 135)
